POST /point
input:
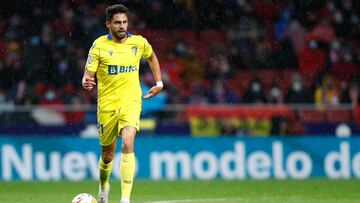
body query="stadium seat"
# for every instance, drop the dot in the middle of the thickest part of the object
(285, 79)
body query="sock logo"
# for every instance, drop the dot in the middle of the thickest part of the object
(127, 181)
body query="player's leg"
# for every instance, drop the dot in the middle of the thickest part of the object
(128, 127)
(127, 164)
(105, 164)
(108, 131)
(105, 167)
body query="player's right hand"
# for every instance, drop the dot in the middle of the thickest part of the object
(88, 83)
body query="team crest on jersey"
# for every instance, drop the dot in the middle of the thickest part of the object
(134, 49)
(111, 52)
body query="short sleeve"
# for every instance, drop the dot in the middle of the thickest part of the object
(147, 49)
(92, 61)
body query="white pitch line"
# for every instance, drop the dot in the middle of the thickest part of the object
(196, 200)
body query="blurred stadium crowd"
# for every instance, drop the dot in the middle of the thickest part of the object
(211, 51)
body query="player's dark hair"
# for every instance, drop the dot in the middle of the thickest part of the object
(115, 9)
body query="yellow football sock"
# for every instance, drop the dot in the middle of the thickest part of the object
(127, 170)
(104, 173)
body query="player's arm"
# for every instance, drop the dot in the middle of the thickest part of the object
(88, 81)
(155, 68)
(92, 62)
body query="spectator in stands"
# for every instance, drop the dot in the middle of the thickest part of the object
(263, 54)
(234, 57)
(326, 94)
(259, 34)
(335, 51)
(181, 48)
(283, 20)
(311, 58)
(297, 34)
(284, 55)
(275, 95)
(51, 98)
(222, 93)
(172, 69)
(198, 93)
(345, 68)
(297, 93)
(172, 72)
(13, 75)
(193, 70)
(341, 28)
(218, 64)
(254, 92)
(29, 98)
(323, 31)
(350, 92)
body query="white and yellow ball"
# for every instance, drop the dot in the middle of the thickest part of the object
(84, 198)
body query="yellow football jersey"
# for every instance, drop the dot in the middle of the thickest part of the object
(117, 69)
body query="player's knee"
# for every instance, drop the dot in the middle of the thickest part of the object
(127, 143)
(107, 157)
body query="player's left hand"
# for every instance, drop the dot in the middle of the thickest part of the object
(153, 91)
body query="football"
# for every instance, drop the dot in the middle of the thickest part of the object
(84, 198)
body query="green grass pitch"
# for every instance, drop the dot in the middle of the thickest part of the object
(242, 191)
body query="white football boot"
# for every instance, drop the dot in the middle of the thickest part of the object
(103, 194)
(125, 200)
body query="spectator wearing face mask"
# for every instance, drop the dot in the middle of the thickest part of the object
(297, 93)
(254, 93)
(51, 99)
(275, 96)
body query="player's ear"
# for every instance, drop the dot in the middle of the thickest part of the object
(107, 23)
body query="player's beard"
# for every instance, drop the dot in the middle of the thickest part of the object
(117, 35)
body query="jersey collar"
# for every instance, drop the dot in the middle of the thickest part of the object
(109, 37)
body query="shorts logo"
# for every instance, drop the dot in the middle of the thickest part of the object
(114, 69)
(100, 128)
